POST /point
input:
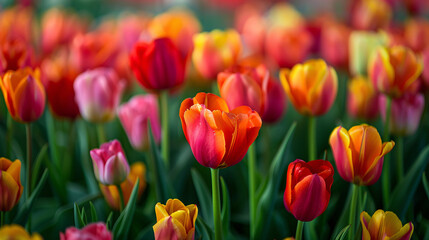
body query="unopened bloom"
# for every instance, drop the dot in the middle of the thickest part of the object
(362, 99)
(308, 188)
(97, 231)
(111, 194)
(359, 153)
(175, 220)
(135, 116)
(215, 51)
(158, 65)
(97, 93)
(406, 112)
(10, 182)
(110, 164)
(394, 71)
(24, 94)
(218, 137)
(384, 225)
(16, 232)
(311, 87)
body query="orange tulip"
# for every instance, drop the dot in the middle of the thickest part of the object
(111, 194)
(384, 226)
(218, 137)
(10, 183)
(175, 220)
(370, 14)
(311, 87)
(16, 232)
(362, 100)
(24, 94)
(359, 153)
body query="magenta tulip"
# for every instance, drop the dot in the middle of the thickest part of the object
(97, 231)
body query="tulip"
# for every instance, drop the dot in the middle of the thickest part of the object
(252, 26)
(24, 94)
(311, 87)
(134, 117)
(10, 181)
(16, 23)
(362, 100)
(58, 77)
(370, 14)
(15, 54)
(252, 87)
(12, 232)
(384, 225)
(417, 34)
(425, 74)
(111, 194)
(97, 231)
(334, 41)
(98, 93)
(218, 137)
(131, 27)
(308, 188)
(394, 71)
(359, 153)
(110, 164)
(361, 46)
(158, 65)
(215, 51)
(179, 25)
(175, 220)
(405, 113)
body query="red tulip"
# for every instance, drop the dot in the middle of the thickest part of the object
(308, 188)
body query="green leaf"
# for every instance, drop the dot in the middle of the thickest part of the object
(226, 212)
(23, 212)
(78, 223)
(404, 192)
(343, 233)
(109, 221)
(425, 184)
(203, 229)
(84, 218)
(204, 197)
(93, 213)
(123, 224)
(267, 200)
(38, 164)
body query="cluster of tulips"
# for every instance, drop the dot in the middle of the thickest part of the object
(117, 91)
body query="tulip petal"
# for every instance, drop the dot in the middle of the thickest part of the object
(9, 191)
(340, 144)
(375, 225)
(15, 170)
(392, 224)
(211, 101)
(165, 229)
(364, 219)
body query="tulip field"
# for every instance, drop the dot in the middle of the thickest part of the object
(214, 119)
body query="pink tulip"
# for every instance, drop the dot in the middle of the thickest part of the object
(91, 231)
(405, 113)
(98, 93)
(110, 164)
(134, 117)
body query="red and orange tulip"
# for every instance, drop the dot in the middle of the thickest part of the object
(218, 137)
(384, 226)
(24, 94)
(359, 153)
(10, 182)
(308, 188)
(362, 100)
(311, 87)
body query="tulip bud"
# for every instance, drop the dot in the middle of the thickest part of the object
(10, 183)
(91, 231)
(110, 164)
(308, 188)
(24, 94)
(17, 232)
(111, 194)
(384, 225)
(134, 117)
(174, 220)
(218, 137)
(362, 100)
(98, 93)
(406, 112)
(311, 87)
(158, 65)
(359, 153)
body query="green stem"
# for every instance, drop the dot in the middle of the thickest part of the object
(352, 215)
(252, 188)
(299, 227)
(386, 172)
(28, 177)
(215, 88)
(164, 122)
(399, 157)
(121, 197)
(216, 203)
(101, 134)
(9, 134)
(311, 138)
(154, 176)
(2, 219)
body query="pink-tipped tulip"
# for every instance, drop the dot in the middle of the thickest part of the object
(405, 113)
(110, 164)
(134, 117)
(97, 231)
(97, 94)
